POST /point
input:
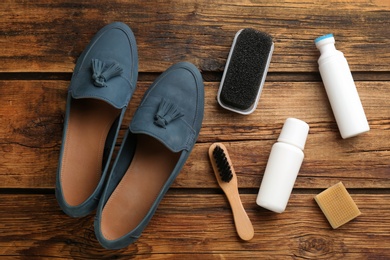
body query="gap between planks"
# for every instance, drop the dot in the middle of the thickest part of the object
(204, 191)
(208, 76)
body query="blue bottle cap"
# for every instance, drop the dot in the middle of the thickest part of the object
(323, 37)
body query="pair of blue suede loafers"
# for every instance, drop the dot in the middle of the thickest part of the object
(155, 147)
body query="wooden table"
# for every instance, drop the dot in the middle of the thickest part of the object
(39, 44)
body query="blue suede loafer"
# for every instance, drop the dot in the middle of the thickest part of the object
(158, 142)
(102, 84)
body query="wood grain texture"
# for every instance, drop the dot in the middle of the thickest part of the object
(47, 36)
(200, 226)
(40, 42)
(32, 116)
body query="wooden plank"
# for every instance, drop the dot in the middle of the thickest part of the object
(32, 113)
(42, 36)
(39, 44)
(199, 226)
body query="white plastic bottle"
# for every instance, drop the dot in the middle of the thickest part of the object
(340, 88)
(283, 166)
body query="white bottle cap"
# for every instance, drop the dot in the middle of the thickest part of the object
(294, 132)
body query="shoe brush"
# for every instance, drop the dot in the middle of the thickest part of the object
(245, 71)
(227, 180)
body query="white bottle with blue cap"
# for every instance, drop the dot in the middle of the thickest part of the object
(340, 88)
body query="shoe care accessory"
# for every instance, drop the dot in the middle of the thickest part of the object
(340, 88)
(245, 71)
(283, 166)
(227, 180)
(337, 205)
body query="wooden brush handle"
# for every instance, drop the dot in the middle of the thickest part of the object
(241, 220)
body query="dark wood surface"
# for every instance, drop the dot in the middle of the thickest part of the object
(39, 45)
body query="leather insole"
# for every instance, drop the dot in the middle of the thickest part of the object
(89, 123)
(131, 200)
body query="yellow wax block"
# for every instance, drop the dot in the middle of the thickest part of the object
(337, 205)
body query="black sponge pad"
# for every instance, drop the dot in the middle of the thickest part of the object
(246, 69)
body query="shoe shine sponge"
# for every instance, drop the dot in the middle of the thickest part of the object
(245, 71)
(337, 205)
